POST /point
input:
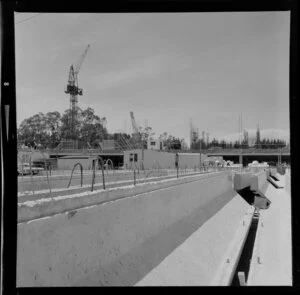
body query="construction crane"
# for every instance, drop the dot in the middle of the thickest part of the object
(73, 89)
(137, 136)
(134, 124)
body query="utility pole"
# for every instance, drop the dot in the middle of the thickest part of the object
(200, 153)
(241, 141)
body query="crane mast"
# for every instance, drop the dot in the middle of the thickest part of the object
(73, 89)
(134, 124)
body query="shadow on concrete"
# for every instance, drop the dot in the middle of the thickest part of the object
(274, 177)
(246, 255)
(247, 195)
(130, 268)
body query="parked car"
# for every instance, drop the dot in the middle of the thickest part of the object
(24, 169)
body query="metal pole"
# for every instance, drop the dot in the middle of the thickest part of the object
(142, 152)
(200, 154)
(134, 176)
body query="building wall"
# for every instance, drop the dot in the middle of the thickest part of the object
(129, 157)
(156, 146)
(190, 160)
(68, 164)
(159, 159)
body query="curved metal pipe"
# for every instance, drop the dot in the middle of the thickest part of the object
(81, 169)
(111, 164)
(94, 168)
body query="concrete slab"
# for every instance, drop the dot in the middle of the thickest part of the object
(196, 261)
(271, 262)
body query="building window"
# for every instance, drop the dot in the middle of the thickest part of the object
(131, 157)
(152, 143)
(135, 157)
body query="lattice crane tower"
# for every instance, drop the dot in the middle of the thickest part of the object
(73, 89)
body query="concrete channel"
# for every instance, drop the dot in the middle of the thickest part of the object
(188, 231)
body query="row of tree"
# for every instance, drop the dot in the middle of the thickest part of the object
(48, 130)
(263, 144)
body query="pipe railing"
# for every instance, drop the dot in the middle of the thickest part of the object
(95, 163)
(107, 165)
(81, 173)
(31, 178)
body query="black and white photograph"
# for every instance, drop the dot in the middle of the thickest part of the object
(153, 149)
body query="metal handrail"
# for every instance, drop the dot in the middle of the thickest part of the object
(94, 168)
(81, 173)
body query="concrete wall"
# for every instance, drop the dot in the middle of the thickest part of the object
(37, 207)
(68, 164)
(258, 181)
(115, 239)
(241, 180)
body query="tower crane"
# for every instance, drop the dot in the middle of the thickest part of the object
(134, 124)
(73, 89)
(137, 136)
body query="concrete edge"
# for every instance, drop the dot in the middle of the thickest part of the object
(28, 213)
(225, 272)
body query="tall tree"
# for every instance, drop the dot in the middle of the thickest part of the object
(32, 131)
(53, 125)
(66, 133)
(92, 129)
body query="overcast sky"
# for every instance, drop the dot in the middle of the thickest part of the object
(167, 68)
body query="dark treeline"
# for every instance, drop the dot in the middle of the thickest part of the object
(53, 128)
(50, 129)
(264, 143)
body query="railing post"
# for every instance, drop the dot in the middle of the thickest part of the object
(103, 177)
(94, 168)
(32, 186)
(81, 170)
(134, 176)
(45, 163)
